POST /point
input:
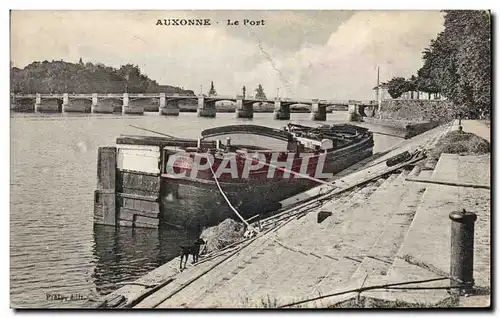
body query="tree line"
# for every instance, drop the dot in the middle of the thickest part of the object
(84, 78)
(59, 77)
(457, 64)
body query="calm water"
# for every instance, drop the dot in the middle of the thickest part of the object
(55, 249)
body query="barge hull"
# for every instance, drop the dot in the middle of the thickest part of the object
(197, 205)
(136, 189)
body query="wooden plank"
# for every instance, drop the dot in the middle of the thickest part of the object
(162, 142)
(105, 208)
(141, 205)
(143, 221)
(125, 223)
(144, 160)
(137, 197)
(106, 168)
(146, 225)
(139, 192)
(128, 214)
(155, 174)
(138, 181)
(154, 149)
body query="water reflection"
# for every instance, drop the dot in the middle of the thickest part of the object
(125, 254)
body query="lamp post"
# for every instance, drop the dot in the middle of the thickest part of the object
(126, 82)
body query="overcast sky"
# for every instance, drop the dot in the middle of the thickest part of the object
(309, 54)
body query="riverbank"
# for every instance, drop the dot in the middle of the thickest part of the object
(413, 115)
(385, 228)
(411, 127)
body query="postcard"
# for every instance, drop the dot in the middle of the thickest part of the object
(250, 159)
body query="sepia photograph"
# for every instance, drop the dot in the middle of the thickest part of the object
(250, 159)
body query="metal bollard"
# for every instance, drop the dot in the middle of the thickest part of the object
(462, 251)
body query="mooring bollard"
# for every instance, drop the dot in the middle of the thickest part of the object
(462, 251)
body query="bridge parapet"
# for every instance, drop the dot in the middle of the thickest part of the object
(222, 97)
(145, 95)
(174, 96)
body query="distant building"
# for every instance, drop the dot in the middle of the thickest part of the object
(382, 93)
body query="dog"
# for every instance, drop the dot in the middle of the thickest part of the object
(191, 250)
(249, 234)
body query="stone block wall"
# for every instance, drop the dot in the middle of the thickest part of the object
(417, 110)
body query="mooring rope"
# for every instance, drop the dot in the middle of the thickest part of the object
(156, 132)
(227, 200)
(362, 289)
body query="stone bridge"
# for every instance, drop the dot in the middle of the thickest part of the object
(169, 104)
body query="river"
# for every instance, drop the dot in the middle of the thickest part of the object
(55, 250)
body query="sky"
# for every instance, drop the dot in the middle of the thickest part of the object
(303, 54)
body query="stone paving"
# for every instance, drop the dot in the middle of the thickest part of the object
(478, 128)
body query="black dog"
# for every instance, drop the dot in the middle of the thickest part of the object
(191, 250)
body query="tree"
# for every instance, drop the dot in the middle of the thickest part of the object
(259, 93)
(62, 77)
(244, 91)
(427, 81)
(397, 86)
(412, 85)
(470, 32)
(212, 91)
(80, 62)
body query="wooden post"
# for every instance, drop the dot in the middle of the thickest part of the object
(105, 195)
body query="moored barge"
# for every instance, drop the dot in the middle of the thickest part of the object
(146, 181)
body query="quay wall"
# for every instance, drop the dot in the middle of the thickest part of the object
(417, 110)
(414, 116)
(412, 128)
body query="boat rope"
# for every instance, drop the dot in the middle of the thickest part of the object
(155, 132)
(387, 134)
(362, 289)
(249, 227)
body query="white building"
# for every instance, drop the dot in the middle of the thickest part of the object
(382, 93)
